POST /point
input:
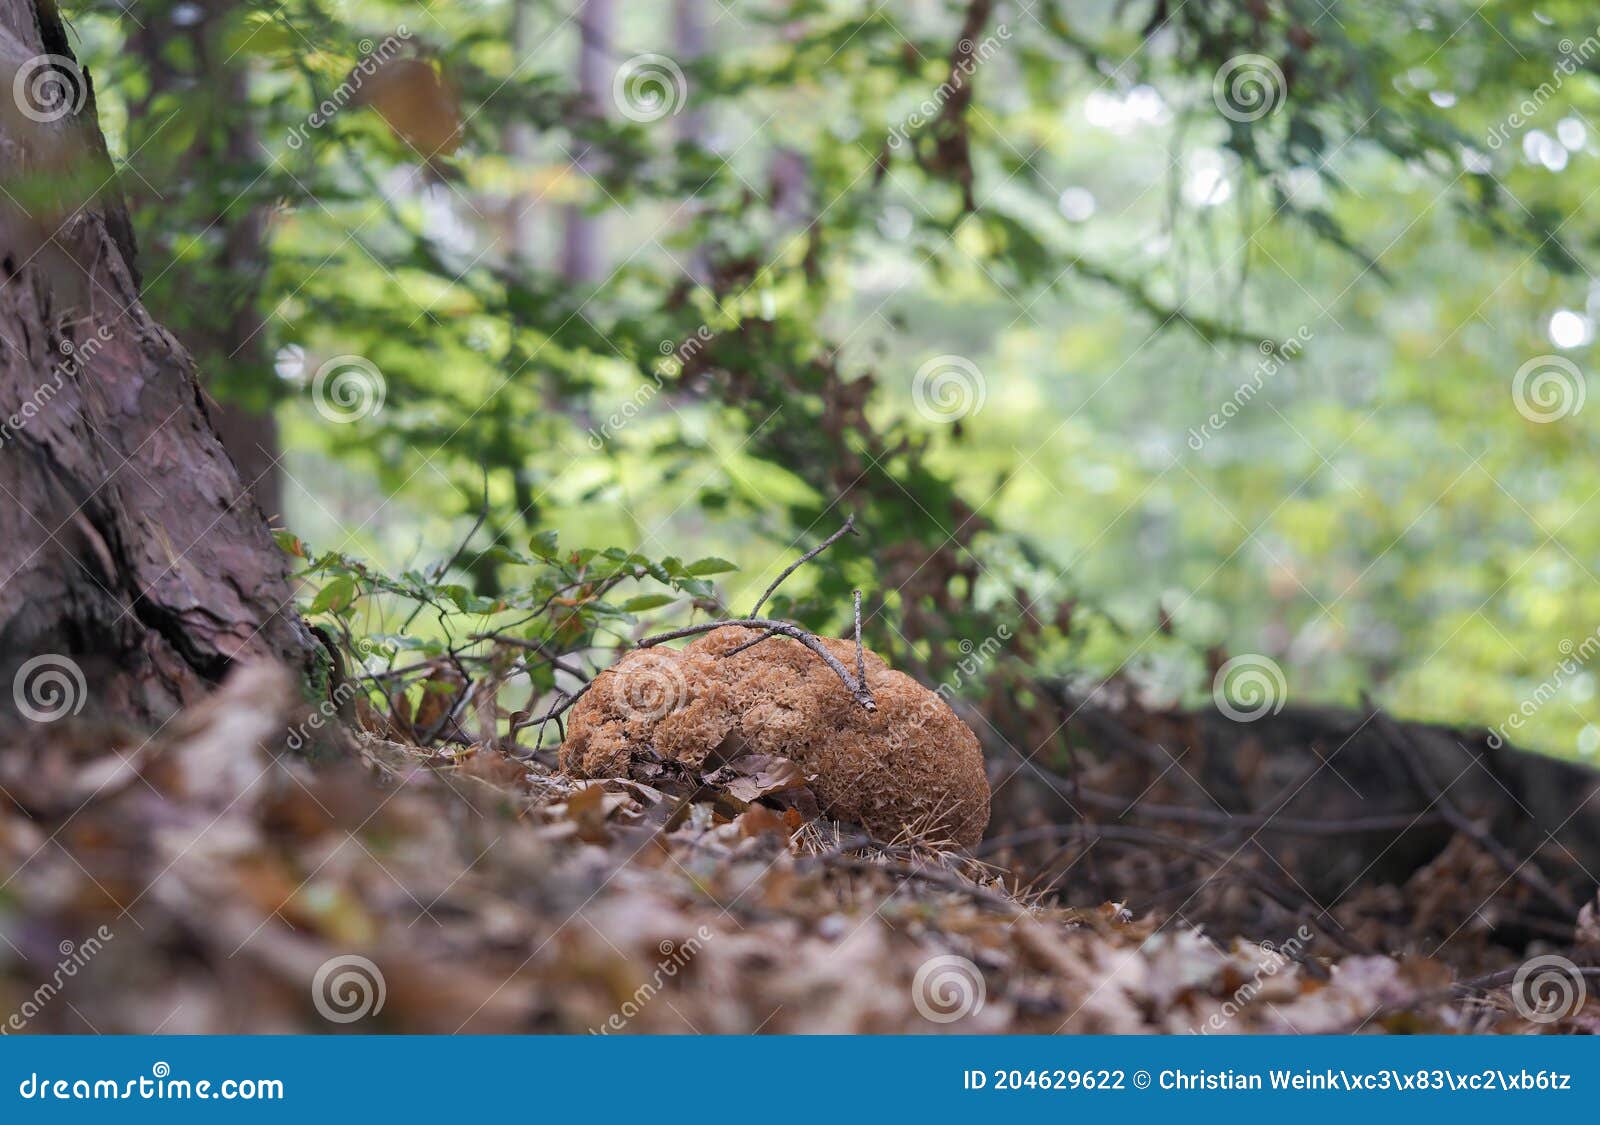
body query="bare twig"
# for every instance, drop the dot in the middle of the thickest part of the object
(882, 856)
(849, 528)
(857, 687)
(557, 709)
(861, 653)
(934, 876)
(750, 644)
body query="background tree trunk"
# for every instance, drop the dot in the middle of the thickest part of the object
(582, 247)
(225, 333)
(127, 543)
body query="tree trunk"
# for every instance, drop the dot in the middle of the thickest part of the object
(522, 141)
(581, 247)
(690, 39)
(224, 333)
(128, 546)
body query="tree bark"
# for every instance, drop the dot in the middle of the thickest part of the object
(127, 543)
(581, 247)
(225, 333)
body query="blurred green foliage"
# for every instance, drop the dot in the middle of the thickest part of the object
(1094, 219)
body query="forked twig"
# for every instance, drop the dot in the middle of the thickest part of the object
(857, 687)
(855, 684)
(849, 528)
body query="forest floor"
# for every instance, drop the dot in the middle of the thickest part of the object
(194, 882)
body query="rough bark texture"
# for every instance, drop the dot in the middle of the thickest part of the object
(126, 540)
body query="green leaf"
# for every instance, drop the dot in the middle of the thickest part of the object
(543, 544)
(506, 555)
(646, 601)
(710, 565)
(261, 36)
(336, 596)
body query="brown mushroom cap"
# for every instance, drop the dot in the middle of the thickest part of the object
(911, 763)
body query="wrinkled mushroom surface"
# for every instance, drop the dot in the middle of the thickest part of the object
(911, 763)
